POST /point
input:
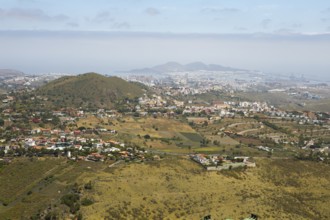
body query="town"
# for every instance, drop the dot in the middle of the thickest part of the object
(45, 132)
(84, 137)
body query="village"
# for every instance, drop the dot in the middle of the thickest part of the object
(56, 132)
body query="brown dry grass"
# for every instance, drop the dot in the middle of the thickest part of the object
(178, 188)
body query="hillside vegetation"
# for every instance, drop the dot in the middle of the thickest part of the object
(172, 188)
(90, 89)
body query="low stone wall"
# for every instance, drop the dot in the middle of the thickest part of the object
(225, 166)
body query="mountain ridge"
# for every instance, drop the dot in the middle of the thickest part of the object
(177, 67)
(10, 73)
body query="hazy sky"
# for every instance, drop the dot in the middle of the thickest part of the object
(105, 35)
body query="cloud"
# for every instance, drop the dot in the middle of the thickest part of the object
(30, 15)
(102, 17)
(240, 29)
(265, 23)
(72, 24)
(284, 31)
(219, 10)
(327, 10)
(26, 1)
(121, 25)
(152, 11)
(296, 25)
(325, 20)
(60, 17)
(267, 7)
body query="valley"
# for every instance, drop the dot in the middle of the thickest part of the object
(98, 147)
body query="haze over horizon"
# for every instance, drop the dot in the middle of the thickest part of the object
(106, 36)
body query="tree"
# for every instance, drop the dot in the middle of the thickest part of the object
(301, 141)
(71, 200)
(88, 185)
(269, 154)
(311, 129)
(147, 136)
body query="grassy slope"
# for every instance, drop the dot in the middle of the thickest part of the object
(19, 177)
(90, 88)
(178, 188)
(168, 134)
(134, 129)
(29, 186)
(173, 188)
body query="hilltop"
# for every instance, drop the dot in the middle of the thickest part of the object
(90, 89)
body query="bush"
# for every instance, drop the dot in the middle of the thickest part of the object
(70, 199)
(88, 185)
(79, 216)
(74, 208)
(51, 216)
(147, 136)
(86, 202)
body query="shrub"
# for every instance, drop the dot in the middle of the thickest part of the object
(88, 185)
(70, 199)
(86, 202)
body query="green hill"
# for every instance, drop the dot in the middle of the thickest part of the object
(89, 90)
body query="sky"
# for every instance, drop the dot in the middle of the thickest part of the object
(275, 36)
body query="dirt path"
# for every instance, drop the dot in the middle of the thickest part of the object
(245, 131)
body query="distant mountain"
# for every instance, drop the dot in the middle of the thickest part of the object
(177, 67)
(196, 66)
(89, 90)
(8, 73)
(169, 67)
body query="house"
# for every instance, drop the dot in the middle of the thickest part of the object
(111, 149)
(76, 132)
(46, 131)
(78, 146)
(29, 143)
(220, 105)
(98, 145)
(95, 157)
